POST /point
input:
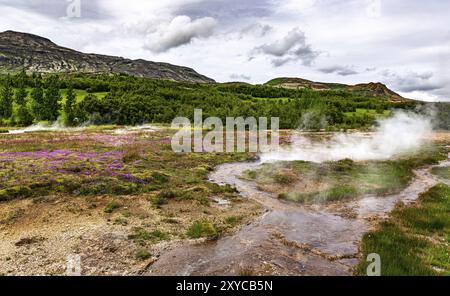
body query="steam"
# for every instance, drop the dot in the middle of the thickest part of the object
(40, 127)
(136, 129)
(401, 133)
(58, 126)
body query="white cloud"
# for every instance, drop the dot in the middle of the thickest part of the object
(340, 70)
(180, 31)
(292, 47)
(215, 36)
(412, 81)
(240, 77)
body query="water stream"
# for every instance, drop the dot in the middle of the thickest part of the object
(288, 239)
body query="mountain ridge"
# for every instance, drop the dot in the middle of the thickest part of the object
(36, 54)
(376, 89)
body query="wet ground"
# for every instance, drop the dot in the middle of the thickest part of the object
(288, 239)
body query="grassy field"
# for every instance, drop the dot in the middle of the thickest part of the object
(369, 112)
(308, 182)
(415, 240)
(131, 184)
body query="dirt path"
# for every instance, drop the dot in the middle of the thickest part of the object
(289, 239)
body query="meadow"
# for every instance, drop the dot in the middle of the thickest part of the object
(415, 240)
(129, 183)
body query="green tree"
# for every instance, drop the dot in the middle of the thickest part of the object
(50, 108)
(23, 115)
(6, 99)
(69, 106)
(37, 96)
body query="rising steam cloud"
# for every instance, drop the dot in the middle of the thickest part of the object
(399, 134)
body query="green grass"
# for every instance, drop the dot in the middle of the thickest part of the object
(373, 112)
(141, 235)
(163, 197)
(111, 207)
(233, 220)
(143, 255)
(15, 192)
(443, 172)
(335, 193)
(415, 239)
(274, 82)
(201, 229)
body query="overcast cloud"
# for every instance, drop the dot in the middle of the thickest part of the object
(291, 48)
(339, 70)
(402, 43)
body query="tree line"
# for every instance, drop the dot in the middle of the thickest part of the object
(27, 99)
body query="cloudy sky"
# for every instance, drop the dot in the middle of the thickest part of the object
(402, 43)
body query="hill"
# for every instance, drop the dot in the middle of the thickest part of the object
(372, 89)
(36, 54)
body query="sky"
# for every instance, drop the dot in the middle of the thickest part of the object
(404, 44)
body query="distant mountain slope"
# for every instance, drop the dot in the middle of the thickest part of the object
(37, 54)
(373, 89)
